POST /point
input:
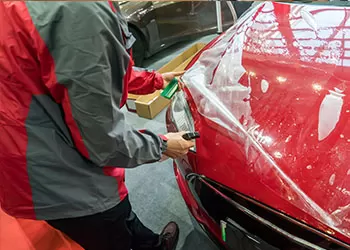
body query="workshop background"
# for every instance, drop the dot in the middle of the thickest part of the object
(168, 35)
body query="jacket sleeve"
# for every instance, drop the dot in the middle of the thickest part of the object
(91, 61)
(143, 82)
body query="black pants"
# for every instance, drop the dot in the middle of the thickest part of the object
(115, 229)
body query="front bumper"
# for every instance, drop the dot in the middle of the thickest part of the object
(203, 224)
(205, 237)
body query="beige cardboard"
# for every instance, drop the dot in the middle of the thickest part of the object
(148, 106)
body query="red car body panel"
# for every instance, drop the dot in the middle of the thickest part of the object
(291, 151)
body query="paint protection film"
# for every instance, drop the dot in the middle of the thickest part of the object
(273, 90)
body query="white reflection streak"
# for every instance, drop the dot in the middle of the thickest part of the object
(317, 87)
(281, 79)
(309, 19)
(329, 114)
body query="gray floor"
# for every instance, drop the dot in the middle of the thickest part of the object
(153, 189)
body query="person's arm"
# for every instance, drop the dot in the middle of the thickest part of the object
(91, 62)
(143, 82)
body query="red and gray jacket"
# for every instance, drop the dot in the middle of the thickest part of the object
(65, 71)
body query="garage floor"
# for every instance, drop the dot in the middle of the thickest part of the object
(153, 189)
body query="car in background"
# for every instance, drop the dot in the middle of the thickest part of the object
(159, 24)
(271, 100)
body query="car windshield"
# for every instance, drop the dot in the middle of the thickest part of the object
(277, 83)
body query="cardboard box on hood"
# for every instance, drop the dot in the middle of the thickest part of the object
(149, 106)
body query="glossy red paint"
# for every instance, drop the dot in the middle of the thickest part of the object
(291, 149)
(195, 210)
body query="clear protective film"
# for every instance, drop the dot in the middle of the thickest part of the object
(277, 84)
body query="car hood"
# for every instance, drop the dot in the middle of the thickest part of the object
(280, 92)
(131, 8)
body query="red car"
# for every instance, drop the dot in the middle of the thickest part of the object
(271, 100)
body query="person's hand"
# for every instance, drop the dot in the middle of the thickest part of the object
(167, 77)
(177, 146)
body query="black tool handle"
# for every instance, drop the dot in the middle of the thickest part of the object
(191, 136)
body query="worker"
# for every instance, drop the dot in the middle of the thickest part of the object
(65, 72)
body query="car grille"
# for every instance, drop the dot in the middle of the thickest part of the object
(276, 229)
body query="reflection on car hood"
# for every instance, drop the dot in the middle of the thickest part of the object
(278, 82)
(129, 8)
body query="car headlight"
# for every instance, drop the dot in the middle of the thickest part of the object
(181, 114)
